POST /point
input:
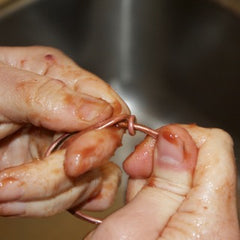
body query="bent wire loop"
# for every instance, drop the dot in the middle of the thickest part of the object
(124, 121)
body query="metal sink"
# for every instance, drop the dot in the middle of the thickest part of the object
(171, 61)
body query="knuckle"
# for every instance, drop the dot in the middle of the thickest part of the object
(222, 134)
(47, 90)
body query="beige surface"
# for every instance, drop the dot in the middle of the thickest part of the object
(4, 1)
(62, 226)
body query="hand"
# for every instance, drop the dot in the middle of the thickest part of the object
(182, 186)
(43, 93)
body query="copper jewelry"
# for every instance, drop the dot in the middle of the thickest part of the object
(124, 121)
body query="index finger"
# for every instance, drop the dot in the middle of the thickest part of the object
(53, 63)
(90, 150)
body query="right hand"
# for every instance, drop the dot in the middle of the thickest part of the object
(182, 186)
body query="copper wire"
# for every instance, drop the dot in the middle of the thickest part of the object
(81, 215)
(124, 121)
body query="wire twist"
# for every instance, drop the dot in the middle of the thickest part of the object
(124, 121)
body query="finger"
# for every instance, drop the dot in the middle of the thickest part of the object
(209, 211)
(25, 145)
(139, 163)
(46, 102)
(37, 59)
(84, 189)
(7, 129)
(99, 185)
(53, 63)
(133, 187)
(174, 161)
(90, 150)
(111, 176)
(14, 150)
(35, 180)
(139, 166)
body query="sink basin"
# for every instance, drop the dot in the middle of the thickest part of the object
(171, 61)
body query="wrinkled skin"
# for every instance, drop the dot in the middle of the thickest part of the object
(42, 94)
(182, 186)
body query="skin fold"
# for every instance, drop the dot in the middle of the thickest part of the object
(44, 93)
(186, 191)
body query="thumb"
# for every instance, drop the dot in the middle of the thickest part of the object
(210, 209)
(26, 97)
(146, 215)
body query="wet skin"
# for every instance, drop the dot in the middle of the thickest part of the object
(182, 186)
(44, 93)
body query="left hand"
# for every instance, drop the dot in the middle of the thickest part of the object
(43, 93)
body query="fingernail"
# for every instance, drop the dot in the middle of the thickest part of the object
(175, 150)
(169, 150)
(10, 189)
(90, 109)
(168, 153)
(174, 160)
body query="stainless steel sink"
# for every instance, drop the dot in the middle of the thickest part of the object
(172, 61)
